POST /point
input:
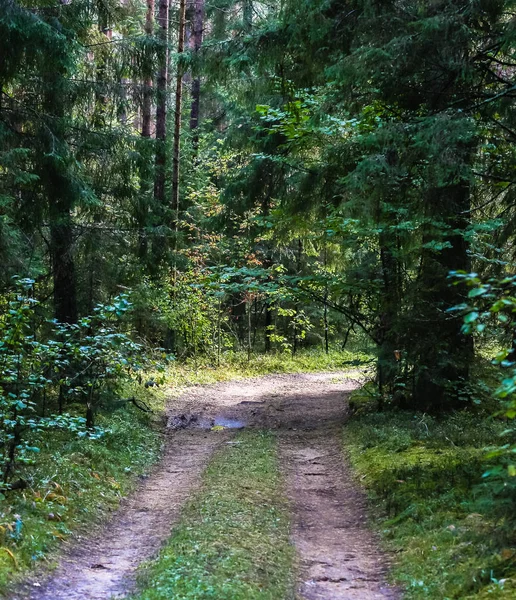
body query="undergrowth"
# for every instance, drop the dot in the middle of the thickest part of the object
(76, 482)
(236, 365)
(232, 542)
(448, 527)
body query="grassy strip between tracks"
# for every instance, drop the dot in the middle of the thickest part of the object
(232, 541)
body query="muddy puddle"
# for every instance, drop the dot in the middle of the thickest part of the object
(178, 422)
(228, 423)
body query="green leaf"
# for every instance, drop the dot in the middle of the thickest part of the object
(480, 291)
(471, 317)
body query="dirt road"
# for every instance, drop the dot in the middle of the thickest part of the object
(339, 557)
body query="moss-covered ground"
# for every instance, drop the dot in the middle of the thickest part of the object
(447, 526)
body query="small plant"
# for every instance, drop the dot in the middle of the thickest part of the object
(26, 374)
(96, 357)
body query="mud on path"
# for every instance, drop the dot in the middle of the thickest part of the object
(339, 557)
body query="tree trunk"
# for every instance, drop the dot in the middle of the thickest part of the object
(101, 96)
(391, 301)
(326, 324)
(325, 318)
(148, 74)
(177, 115)
(267, 263)
(161, 105)
(143, 201)
(63, 265)
(268, 326)
(444, 361)
(195, 44)
(296, 306)
(60, 191)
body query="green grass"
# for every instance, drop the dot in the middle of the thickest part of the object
(235, 365)
(75, 482)
(445, 524)
(232, 541)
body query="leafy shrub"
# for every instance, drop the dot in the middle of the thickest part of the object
(80, 363)
(490, 312)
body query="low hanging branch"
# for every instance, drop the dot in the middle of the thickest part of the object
(322, 299)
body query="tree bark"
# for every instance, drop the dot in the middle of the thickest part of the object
(60, 194)
(296, 306)
(391, 301)
(268, 327)
(267, 263)
(63, 265)
(325, 316)
(148, 75)
(101, 96)
(161, 105)
(142, 209)
(195, 44)
(177, 114)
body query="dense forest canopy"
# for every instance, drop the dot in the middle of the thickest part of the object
(207, 176)
(201, 190)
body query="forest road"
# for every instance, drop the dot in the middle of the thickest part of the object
(338, 555)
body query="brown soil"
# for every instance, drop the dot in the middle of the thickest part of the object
(339, 557)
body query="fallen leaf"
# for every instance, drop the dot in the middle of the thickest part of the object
(11, 555)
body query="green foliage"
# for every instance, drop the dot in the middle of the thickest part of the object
(451, 532)
(84, 363)
(375, 147)
(350, 157)
(233, 537)
(489, 313)
(76, 482)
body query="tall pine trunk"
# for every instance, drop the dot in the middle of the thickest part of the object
(195, 44)
(63, 264)
(148, 73)
(60, 193)
(101, 94)
(267, 264)
(161, 106)
(142, 209)
(177, 115)
(391, 301)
